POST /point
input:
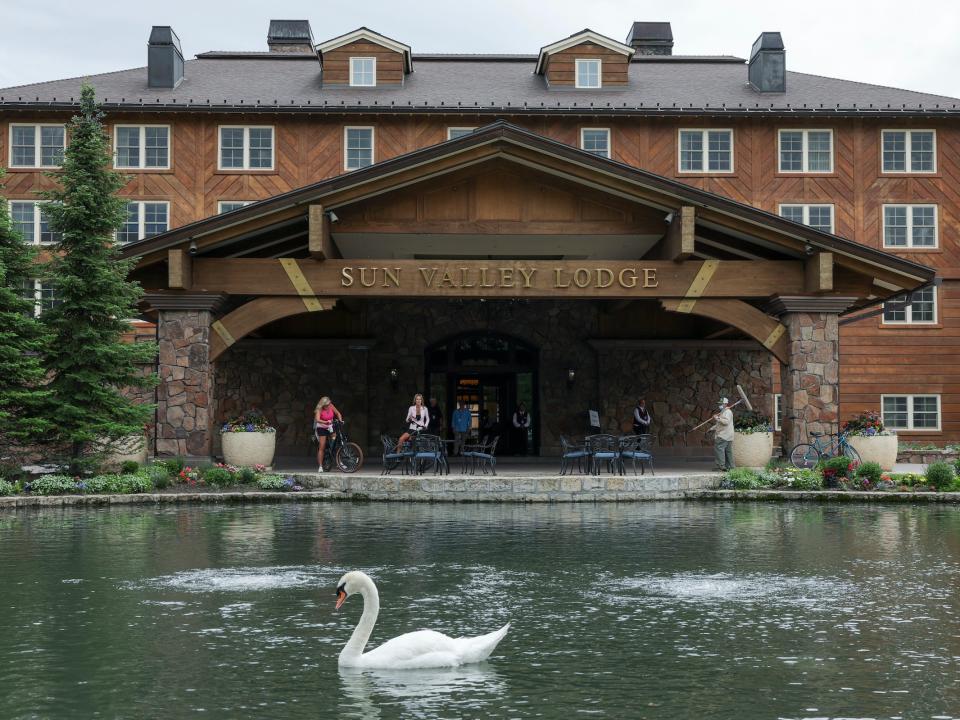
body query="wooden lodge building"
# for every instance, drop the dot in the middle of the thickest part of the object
(571, 229)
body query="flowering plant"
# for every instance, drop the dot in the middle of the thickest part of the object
(751, 422)
(868, 424)
(189, 475)
(250, 421)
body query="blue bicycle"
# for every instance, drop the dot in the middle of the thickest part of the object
(808, 455)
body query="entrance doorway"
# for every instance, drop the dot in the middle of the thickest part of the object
(491, 374)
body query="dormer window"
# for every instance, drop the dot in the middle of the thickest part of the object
(363, 72)
(588, 73)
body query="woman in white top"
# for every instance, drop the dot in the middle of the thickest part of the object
(417, 419)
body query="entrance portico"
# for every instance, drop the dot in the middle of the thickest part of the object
(632, 282)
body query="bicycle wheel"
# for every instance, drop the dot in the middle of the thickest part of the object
(851, 452)
(804, 455)
(349, 457)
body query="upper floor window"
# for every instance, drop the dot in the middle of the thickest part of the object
(363, 71)
(357, 147)
(142, 147)
(816, 216)
(921, 310)
(29, 220)
(39, 146)
(228, 205)
(246, 148)
(911, 412)
(706, 151)
(455, 132)
(806, 151)
(588, 73)
(144, 219)
(596, 141)
(909, 151)
(910, 226)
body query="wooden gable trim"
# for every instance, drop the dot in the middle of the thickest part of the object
(364, 34)
(586, 36)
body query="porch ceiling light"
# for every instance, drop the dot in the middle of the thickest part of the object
(394, 376)
(571, 376)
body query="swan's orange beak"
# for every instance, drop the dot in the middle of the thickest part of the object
(341, 598)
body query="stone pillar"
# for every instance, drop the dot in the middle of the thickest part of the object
(185, 398)
(810, 379)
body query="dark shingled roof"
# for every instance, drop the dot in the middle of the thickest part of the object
(479, 84)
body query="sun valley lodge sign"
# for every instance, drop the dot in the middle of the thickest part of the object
(499, 277)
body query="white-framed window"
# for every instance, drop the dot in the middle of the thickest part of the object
(596, 141)
(705, 150)
(43, 295)
(37, 146)
(229, 205)
(911, 412)
(910, 226)
(28, 219)
(141, 147)
(145, 218)
(363, 72)
(777, 412)
(588, 73)
(806, 151)
(816, 216)
(454, 132)
(909, 151)
(921, 310)
(357, 147)
(243, 147)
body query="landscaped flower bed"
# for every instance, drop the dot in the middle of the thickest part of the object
(872, 441)
(842, 474)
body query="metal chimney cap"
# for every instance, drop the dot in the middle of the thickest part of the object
(767, 41)
(650, 31)
(290, 31)
(164, 35)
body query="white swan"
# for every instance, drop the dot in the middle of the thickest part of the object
(420, 649)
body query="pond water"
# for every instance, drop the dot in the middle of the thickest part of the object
(657, 610)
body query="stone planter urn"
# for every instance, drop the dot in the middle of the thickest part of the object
(132, 447)
(752, 449)
(248, 448)
(881, 449)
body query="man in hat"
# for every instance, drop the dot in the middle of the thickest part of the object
(723, 436)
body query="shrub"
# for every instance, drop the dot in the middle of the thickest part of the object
(53, 485)
(133, 484)
(12, 472)
(836, 469)
(742, 479)
(128, 467)
(7, 488)
(792, 478)
(218, 476)
(275, 482)
(158, 475)
(246, 476)
(173, 465)
(870, 471)
(751, 422)
(940, 476)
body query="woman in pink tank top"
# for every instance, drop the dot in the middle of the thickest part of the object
(323, 416)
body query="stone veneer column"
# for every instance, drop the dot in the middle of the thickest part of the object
(810, 379)
(185, 398)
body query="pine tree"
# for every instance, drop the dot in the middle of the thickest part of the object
(89, 363)
(22, 394)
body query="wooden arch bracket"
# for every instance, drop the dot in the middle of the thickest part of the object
(766, 330)
(257, 313)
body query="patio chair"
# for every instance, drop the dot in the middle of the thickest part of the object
(604, 449)
(429, 449)
(570, 453)
(636, 448)
(484, 456)
(393, 459)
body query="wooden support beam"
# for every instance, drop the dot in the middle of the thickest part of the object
(818, 272)
(320, 242)
(678, 243)
(766, 330)
(179, 269)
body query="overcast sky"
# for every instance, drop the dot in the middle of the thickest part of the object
(910, 45)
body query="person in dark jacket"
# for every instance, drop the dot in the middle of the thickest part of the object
(436, 419)
(641, 418)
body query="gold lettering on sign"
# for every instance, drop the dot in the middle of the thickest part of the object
(649, 277)
(464, 273)
(556, 279)
(506, 277)
(428, 279)
(363, 277)
(446, 280)
(627, 278)
(346, 277)
(604, 277)
(581, 277)
(527, 276)
(393, 276)
(483, 279)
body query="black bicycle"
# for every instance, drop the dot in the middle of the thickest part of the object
(347, 455)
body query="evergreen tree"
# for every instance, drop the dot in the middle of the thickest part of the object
(22, 394)
(89, 363)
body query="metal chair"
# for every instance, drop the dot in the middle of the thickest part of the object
(604, 449)
(570, 453)
(429, 449)
(636, 448)
(393, 459)
(483, 456)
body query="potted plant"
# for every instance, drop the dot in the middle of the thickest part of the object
(752, 439)
(867, 435)
(248, 440)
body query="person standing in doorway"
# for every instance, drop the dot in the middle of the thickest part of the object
(521, 422)
(461, 426)
(641, 418)
(436, 419)
(723, 436)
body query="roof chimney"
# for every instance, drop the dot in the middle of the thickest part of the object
(164, 58)
(651, 38)
(290, 36)
(767, 70)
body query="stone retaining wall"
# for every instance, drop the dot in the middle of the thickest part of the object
(926, 457)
